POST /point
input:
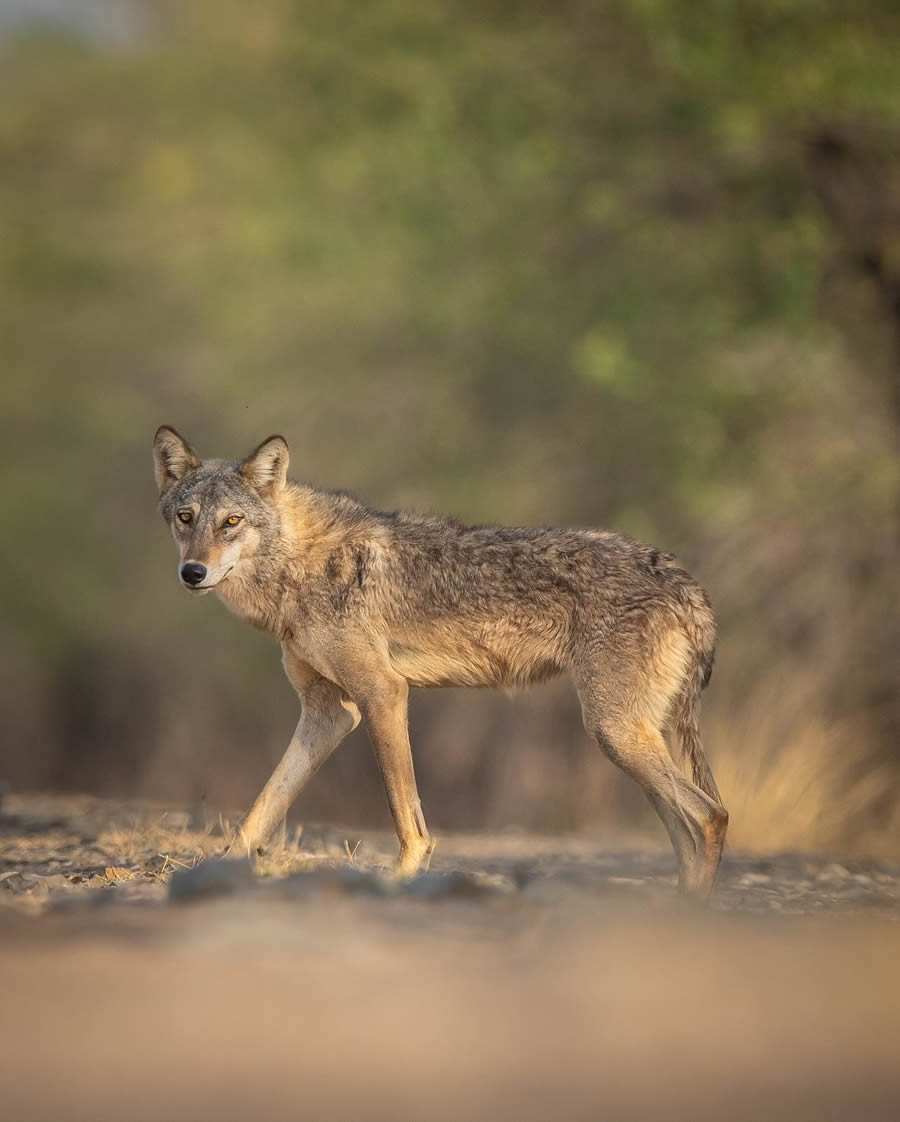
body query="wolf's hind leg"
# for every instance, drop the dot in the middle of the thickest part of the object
(328, 715)
(695, 823)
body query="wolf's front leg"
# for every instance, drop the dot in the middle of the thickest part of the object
(326, 719)
(384, 707)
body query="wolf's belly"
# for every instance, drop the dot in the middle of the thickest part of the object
(437, 667)
(447, 663)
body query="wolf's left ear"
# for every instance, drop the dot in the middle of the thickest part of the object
(173, 457)
(265, 469)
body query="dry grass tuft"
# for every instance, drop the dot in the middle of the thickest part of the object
(793, 786)
(286, 854)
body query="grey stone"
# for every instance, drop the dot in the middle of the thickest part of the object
(211, 878)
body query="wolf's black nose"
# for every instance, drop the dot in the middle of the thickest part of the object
(192, 572)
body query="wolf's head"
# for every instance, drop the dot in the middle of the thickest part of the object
(219, 512)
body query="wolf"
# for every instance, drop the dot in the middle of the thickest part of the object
(367, 604)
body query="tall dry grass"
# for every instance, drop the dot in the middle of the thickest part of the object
(794, 783)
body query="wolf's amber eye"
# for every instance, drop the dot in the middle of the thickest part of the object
(184, 516)
(232, 520)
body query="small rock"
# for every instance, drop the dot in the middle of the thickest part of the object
(833, 872)
(348, 881)
(211, 878)
(13, 881)
(343, 879)
(457, 886)
(58, 880)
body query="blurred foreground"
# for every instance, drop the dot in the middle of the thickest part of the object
(520, 979)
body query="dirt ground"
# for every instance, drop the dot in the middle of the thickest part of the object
(521, 978)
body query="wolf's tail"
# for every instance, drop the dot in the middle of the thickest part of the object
(700, 625)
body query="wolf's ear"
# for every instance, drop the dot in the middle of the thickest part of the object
(173, 457)
(265, 469)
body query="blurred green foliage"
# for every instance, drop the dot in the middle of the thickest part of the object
(569, 263)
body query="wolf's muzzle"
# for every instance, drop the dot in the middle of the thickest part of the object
(193, 573)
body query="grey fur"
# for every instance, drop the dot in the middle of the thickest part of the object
(366, 604)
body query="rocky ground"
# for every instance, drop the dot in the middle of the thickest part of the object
(521, 978)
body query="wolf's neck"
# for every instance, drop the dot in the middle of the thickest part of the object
(256, 594)
(310, 529)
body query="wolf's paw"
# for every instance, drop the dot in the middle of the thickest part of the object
(413, 857)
